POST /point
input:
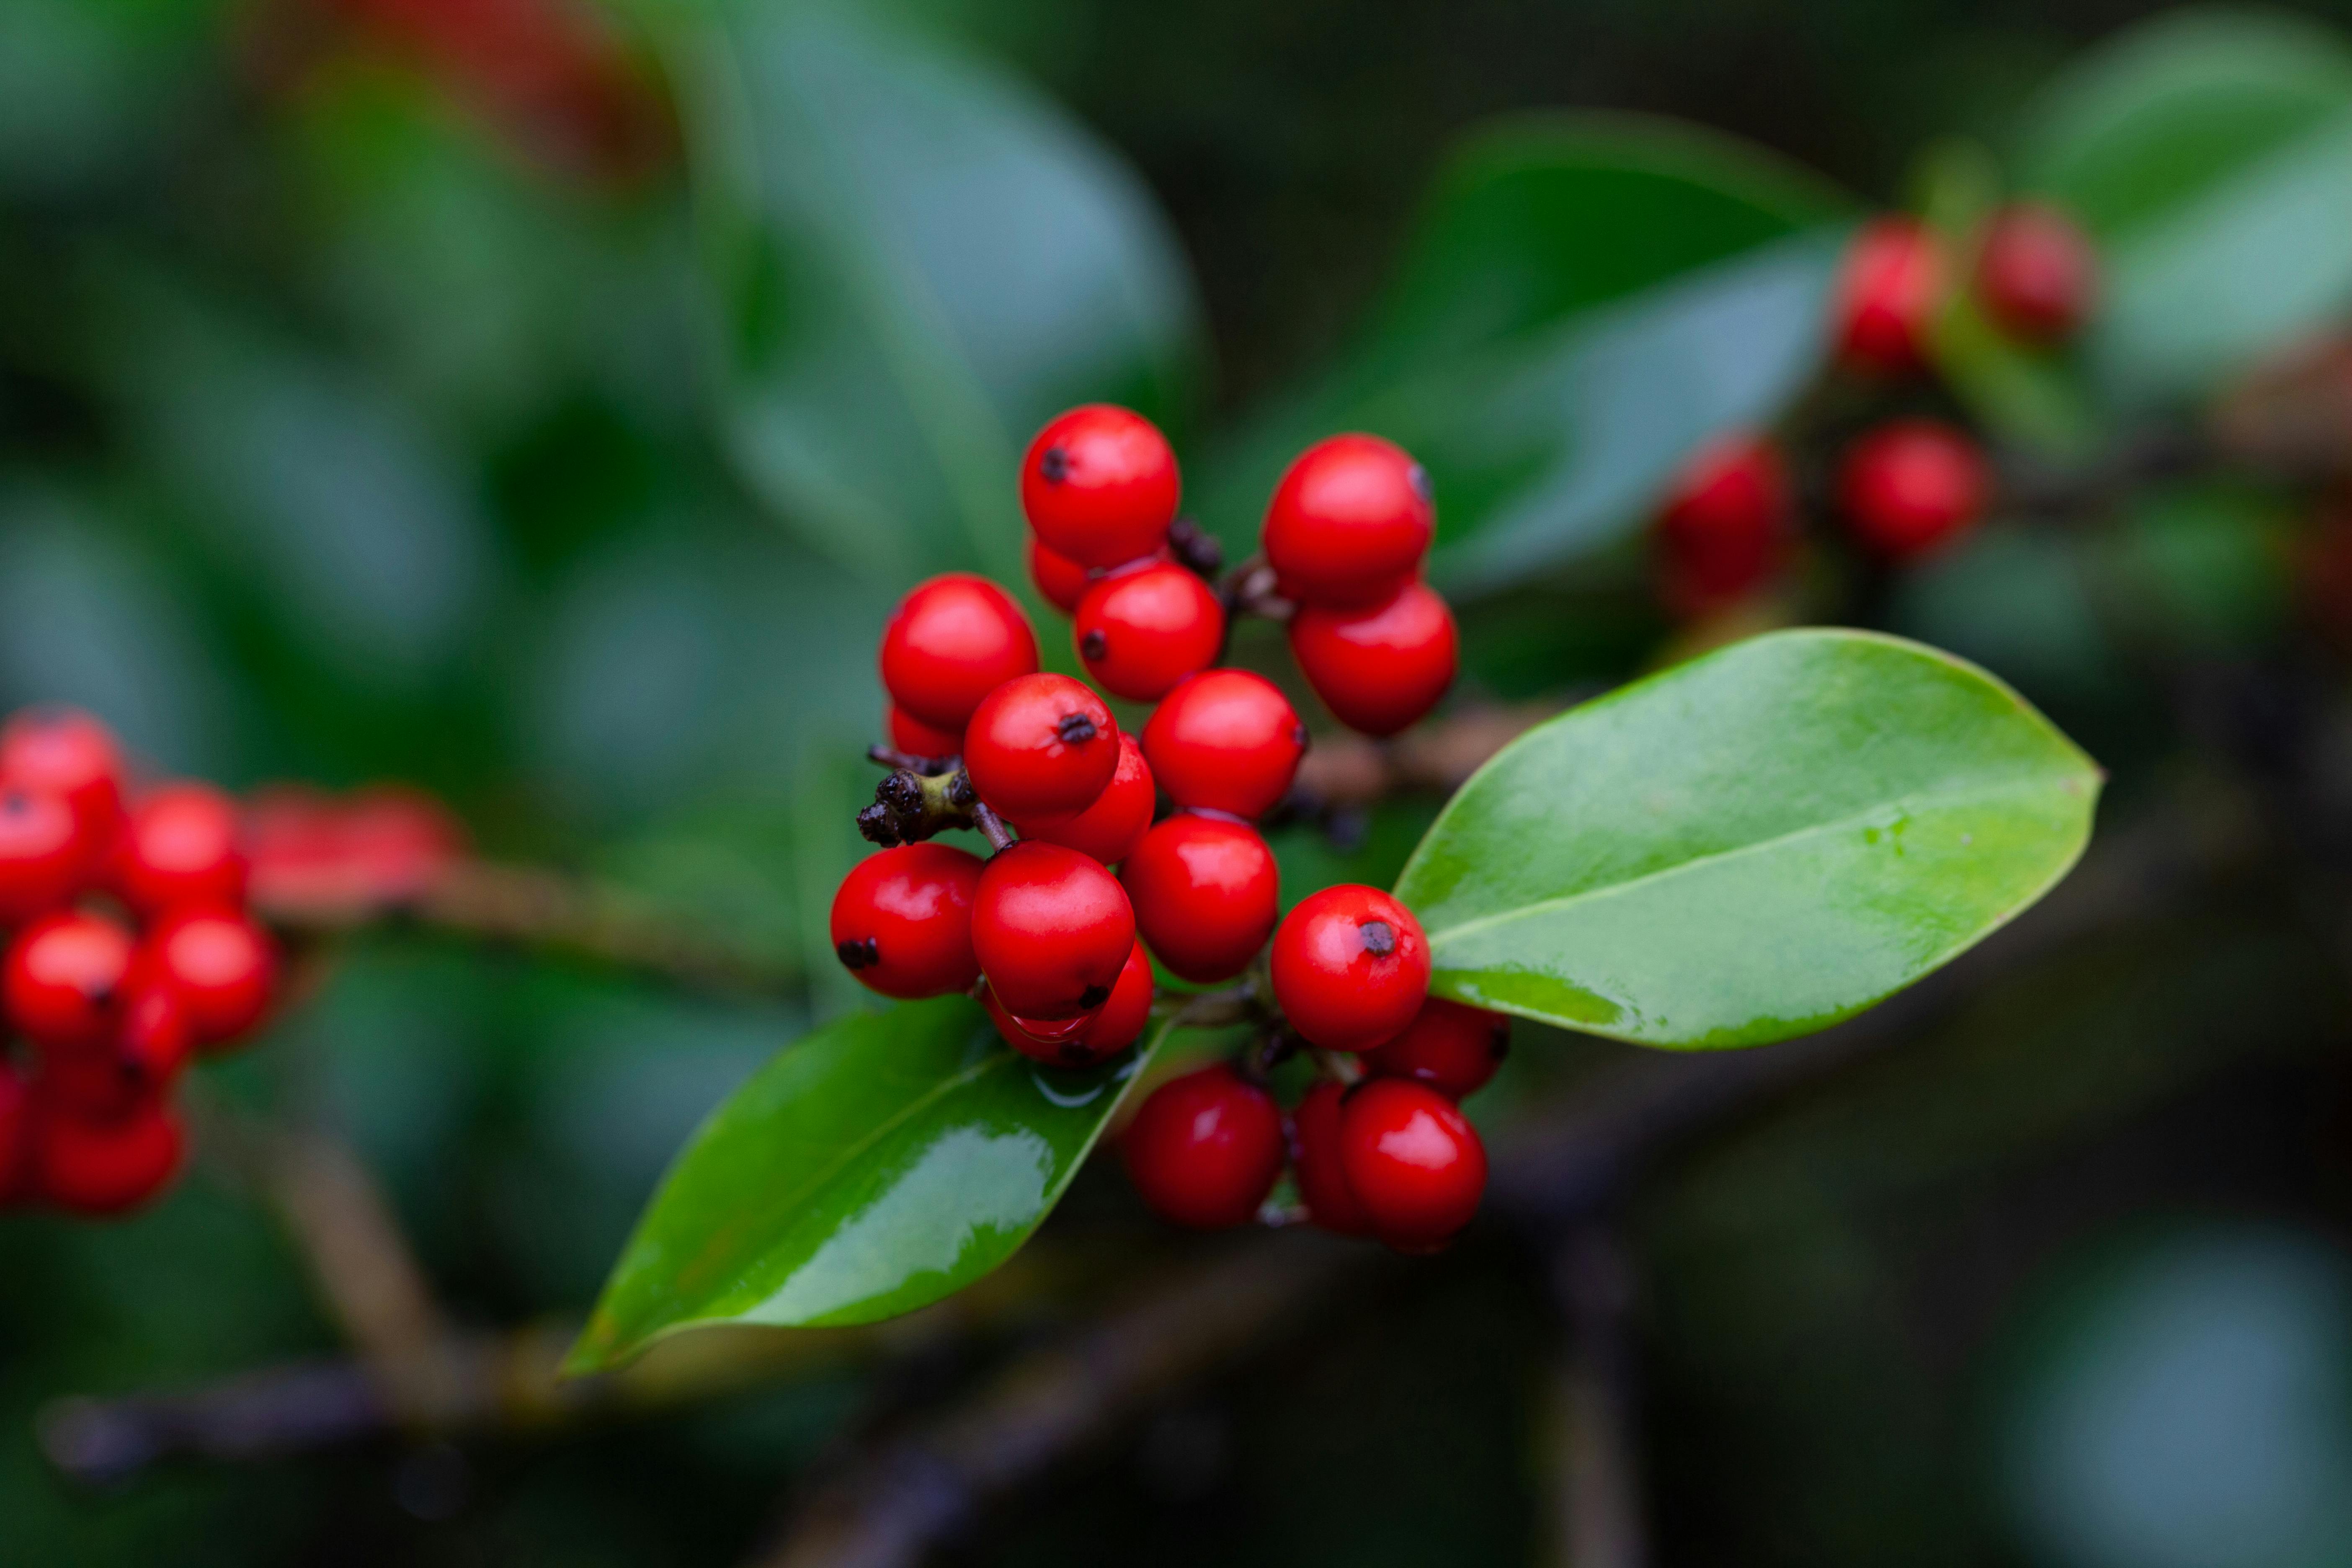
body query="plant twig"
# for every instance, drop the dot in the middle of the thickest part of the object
(1599, 1497)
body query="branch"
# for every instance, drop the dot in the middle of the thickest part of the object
(1348, 771)
(529, 906)
(1599, 1498)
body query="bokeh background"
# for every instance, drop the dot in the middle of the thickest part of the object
(542, 405)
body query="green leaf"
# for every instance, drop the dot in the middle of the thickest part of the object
(919, 261)
(1587, 299)
(2209, 152)
(1750, 846)
(881, 1163)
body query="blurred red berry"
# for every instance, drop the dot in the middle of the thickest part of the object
(181, 846)
(902, 921)
(1204, 1149)
(1100, 485)
(1060, 581)
(350, 854)
(1912, 486)
(221, 964)
(1350, 522)
(92, 1165)
(1887, 296)
(149, 1048)
(15, 1132)
(42, 856)
(1224, 740)
(1726, 526)
(1379, 669)
(65, 751)
(2037, 273)
(917, 739)
(63, 977)
(952, 641)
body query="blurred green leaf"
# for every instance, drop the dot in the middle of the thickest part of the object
(2203, 567)
(2019, 599)
(1586, 301)
(919, 262)
(884, 1160)
(1750, 846)
(2209, 152)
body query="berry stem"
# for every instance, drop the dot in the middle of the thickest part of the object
(992, 826)
(890, 757)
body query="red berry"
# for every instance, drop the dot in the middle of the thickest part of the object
(902, 921)
(1350, 522)
(1204, 1149)
(149, 1048)
(1141, 631)
(1089, 1038)
(1052, 931)
(1727, 522)
(1453, 1049)
(346, 854)
(2037, 272)
(15, 1131)
(62, 977)
(1224, 740)
(42, 853)
(917, 739)
(1350, 967)
(1099, 486)
(221, 963)
(1910, 486)
(1061, 581)
(1205, 893)
(64, 751)
(1107, 830)
(1413, 1161)
(181, 847)
(1042, 745)
(106, 1166)
(1378, 669)
(1887, 295)
(1315, 1161)
(952, 641)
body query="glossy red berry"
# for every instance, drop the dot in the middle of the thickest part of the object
(1107, 830)
(1453, 1049)
(346, 856)
(223, 966)
(1204, 1149)
(1350, 967)
(1315, 1161)
(902, 921)
(1413, 1161)
(65, 751)
(1139, 632)
(62, 977)
(1052, 931)
(1911, 486)
(1887, 296)
(181, 847)
(15, 1132)
(1041, 746)
(917, 739)
(149, 1048)
(104, 1167)
(1350, 522)
(2037, 273)
(1205, 893)
(1725, 527)
(1100, 485)
(1378, 669)
(1061, 581)
(1224, 740)
(43, 857)
(952, 641)
(1090, 1037)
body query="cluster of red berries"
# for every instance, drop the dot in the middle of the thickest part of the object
(132, 950)
(1904, 488)
(1059, 946)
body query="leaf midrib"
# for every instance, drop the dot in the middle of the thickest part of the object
(1918, 800)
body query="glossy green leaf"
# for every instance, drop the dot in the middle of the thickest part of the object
(1750, 846)
(1586, 300)
(881, 1163)
(919, 261)
(2210, 153)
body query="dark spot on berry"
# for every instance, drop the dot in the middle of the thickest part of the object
(1094, 996)
(1419, 478)
(1094, 645)
(100, 995)
(1298, 736)
(1054, 465)
(860, 953)
(1380, 940)
(1076, 727)
(1501, 1042)
(14, 802)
